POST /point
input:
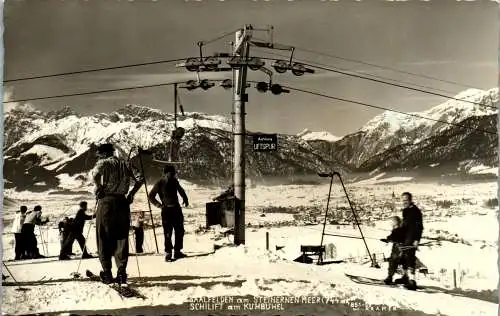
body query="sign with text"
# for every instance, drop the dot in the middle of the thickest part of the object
(265, 142)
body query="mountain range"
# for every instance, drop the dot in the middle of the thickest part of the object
(42, 147)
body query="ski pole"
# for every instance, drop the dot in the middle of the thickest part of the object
(75, 274)
(12, 275)
(46, 239)
(136, 256)
(411, 247)
(44, 246)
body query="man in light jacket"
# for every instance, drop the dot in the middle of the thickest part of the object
(17, 226)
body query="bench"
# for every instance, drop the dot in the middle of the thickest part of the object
(308, 251)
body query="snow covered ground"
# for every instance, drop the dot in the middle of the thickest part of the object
(462, 216)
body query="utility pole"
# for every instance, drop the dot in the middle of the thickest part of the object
(239, 63)
(241, 49)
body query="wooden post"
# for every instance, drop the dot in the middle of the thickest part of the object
(267, 241)
(454, 278)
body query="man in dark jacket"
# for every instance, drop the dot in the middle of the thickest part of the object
(413, 228)
(76, 232)
(171, 211)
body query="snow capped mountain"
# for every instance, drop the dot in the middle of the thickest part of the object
(42, 147)
(133, 124)
(307, 135)
(385, 133)
(456, 149)
(420, 125)
(63, 143)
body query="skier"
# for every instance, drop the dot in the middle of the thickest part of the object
(64, 229)
(175, 142)
(397, 237)
(171, 211)
(17, 226)
(139, 232)
(112, 178)
(413, 227)
(76, 232)
(33, 218)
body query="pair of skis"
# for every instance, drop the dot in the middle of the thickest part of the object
(129, 291)
(125, 291)
(370, 281)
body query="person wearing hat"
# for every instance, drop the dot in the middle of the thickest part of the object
(171, 211)
(32, 218)
(76, 232)
(112, 177)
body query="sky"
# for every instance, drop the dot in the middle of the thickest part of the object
(455, 41)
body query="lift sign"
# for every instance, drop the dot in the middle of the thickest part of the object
(265, 142)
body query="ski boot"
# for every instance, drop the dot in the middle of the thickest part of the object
(388, 280)
(106, 277)
(168, 257)
(411, 285)
(179, 255)
(402, 280)
(121, 278)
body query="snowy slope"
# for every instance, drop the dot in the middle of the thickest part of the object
(252, 270)
(241, 271)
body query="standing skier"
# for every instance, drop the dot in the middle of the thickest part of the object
(76, 232)
(64, 227)
(413, 227)
(33, 218)
(397, 237)
(112, 178)
(171, 211)
(17, 226)
(139, 232)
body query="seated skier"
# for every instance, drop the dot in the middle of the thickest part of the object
(397, 237)
(225, 195)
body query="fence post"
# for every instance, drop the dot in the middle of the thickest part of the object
(267, 241)
(455, 278)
